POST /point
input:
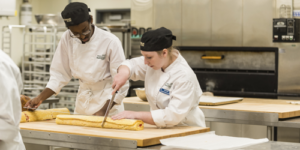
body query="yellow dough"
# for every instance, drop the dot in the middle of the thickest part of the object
(59, 111)
(23, 118)
(38, 115)
(95, 121)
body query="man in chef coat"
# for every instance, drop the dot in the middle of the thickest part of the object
(10, 108)
(89, 54)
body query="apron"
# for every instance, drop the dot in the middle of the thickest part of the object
(91, 97)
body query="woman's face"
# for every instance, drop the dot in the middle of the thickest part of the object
(154, 60)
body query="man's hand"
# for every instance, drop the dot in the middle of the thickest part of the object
(102, 111)
(33, 103)
(37, 101)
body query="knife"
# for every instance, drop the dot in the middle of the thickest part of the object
(31, 109)
(108, 109)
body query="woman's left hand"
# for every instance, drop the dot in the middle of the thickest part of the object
(125, 115)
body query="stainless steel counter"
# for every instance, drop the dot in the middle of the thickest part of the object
(271, 145)
(238, 117)
(86, 142)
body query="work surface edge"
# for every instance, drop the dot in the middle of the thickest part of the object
(149, 136)
(287, 110)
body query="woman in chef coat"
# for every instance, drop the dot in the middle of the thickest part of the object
(171, 86)
(89, 54)
(10, 108)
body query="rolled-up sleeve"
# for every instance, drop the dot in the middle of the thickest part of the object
(137, 68)
(116, 57)
(181, 102)
(60, 72)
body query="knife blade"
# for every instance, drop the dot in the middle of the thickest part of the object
(108, 109)
(29, 108)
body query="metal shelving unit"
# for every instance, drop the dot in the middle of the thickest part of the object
(6, 40)
(40, 42)
(7, 37)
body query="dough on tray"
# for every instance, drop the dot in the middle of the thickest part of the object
(96, 121)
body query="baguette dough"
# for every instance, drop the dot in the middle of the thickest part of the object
(38, 115)
(59, 111)
(23, 117)
(95, 121)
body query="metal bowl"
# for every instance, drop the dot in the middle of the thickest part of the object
(140, 92)
(52, 19)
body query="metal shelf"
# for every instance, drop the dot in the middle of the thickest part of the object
(40, 42)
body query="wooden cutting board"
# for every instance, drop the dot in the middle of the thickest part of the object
(217, 100)
(281, 107)
(149, 136)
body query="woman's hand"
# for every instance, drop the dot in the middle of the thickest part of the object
(144, 116)
(120, 78)
(125, 115)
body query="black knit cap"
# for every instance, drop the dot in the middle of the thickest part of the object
(75, 13)
(157, 40)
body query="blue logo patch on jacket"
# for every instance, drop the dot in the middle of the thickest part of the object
(164, 91)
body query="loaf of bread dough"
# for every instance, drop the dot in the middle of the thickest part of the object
(59, 111)
(38, 115)
(95, 121)
(23, 117)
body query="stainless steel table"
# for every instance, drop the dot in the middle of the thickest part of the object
(271, 145)
(95, 143)
(271, 120)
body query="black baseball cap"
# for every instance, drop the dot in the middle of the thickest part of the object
(157, 40)
(75, 13)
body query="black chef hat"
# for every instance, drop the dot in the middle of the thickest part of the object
(157, 40)
(75, 13)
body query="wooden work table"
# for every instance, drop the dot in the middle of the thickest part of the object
(281, 107)
(272, 113)
(151, 135)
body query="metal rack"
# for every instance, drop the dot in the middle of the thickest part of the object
(6, 40)
(40, 42)
(7, 37)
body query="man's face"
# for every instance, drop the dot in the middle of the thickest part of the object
(84, 31)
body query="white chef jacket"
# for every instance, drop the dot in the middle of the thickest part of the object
(94, 64)
(10, 104)
(173, 95)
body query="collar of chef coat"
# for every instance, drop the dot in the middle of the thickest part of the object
(173, 64)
